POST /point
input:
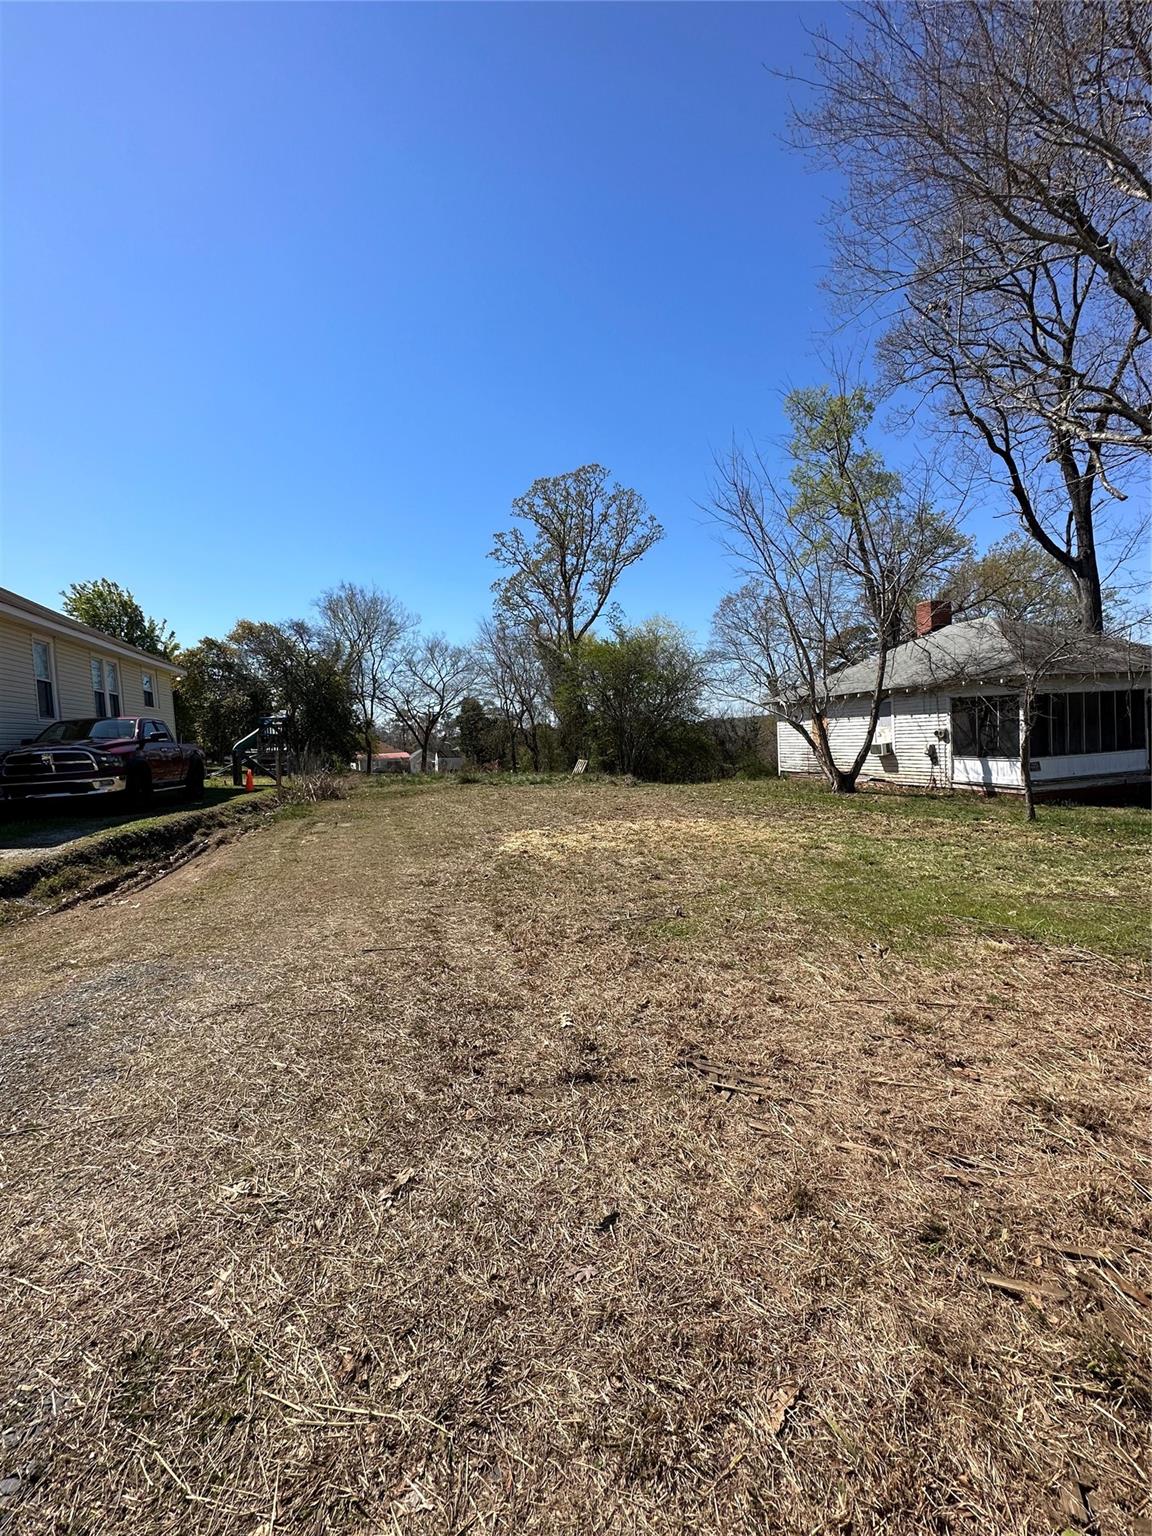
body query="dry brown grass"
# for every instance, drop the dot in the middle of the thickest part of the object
(490, 1160)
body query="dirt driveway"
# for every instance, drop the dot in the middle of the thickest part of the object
(490, 1160)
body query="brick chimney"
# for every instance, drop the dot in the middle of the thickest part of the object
(932, 614)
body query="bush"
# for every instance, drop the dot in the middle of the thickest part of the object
(313, 785)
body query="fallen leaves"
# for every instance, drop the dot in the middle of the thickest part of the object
(779, 1405)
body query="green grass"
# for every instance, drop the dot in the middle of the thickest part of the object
(900, 868)
(904, 870)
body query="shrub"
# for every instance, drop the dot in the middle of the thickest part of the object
(312, 785)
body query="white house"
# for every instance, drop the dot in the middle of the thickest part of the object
(54, 668)
(952, 712)
(438, 762)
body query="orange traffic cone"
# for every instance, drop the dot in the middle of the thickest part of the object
(249, 781)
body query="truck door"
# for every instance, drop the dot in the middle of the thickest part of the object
(161, 752)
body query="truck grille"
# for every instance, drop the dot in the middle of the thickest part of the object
(38, 766)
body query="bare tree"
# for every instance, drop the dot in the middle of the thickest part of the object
(583, 535)
(508, 662)
(750, 645)
(426, 685)
(995, 156)
(839, 549)
(367, 626)
(1009, 361)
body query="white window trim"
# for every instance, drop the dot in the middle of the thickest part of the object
(96, 669)
(103, 662)
(53, 678)
(147, 688)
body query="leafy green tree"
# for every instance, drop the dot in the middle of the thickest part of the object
(309, 679)
(1014, 576)
(105, 605)
(219, 697)
(480, 733)
(643, 687)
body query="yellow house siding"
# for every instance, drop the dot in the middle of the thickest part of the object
(165, 707)
(72, 666)
(74, 673)
(19, 716)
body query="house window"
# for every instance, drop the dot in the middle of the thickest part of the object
(99, 697)
(149, 691)
(1108, 720)
(986, 727)
(42, 669)
(105, 688)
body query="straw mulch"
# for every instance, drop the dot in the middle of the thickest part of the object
(427, 1167)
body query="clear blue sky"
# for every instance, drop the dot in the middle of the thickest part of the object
(297, 293)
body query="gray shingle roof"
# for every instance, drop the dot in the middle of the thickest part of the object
(992, 650)
(37, 611)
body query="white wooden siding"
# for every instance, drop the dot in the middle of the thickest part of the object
(72, 666)
(921, 721)
(913, 725)
(1088, 765)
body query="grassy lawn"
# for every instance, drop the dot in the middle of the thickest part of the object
(899, 868)
(575, 1158)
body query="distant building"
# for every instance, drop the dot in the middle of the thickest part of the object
(952, 714)
(387, 760)
(438, 762)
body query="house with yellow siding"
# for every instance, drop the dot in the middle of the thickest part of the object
(52, 668)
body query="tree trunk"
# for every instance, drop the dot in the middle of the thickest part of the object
(1028, 709)
(1089, 597)
(1083, 567)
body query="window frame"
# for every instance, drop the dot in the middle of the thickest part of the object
(1007, 710)
(50, 680)
(1088, 722)
(107, 694)
(148, 689)
(99, 692)
(115, 697)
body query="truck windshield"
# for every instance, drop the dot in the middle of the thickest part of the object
(89, 730)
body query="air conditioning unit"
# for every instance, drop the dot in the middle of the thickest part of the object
(881, 746)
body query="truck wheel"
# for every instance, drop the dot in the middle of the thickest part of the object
(138, 790)
(194, 783)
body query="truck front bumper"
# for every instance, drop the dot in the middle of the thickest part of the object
(60, 789)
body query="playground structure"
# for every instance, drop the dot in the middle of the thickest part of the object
(264, 751)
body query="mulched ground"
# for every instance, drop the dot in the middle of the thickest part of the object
(495, 1160)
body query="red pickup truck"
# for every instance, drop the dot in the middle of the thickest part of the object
(101, 757)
